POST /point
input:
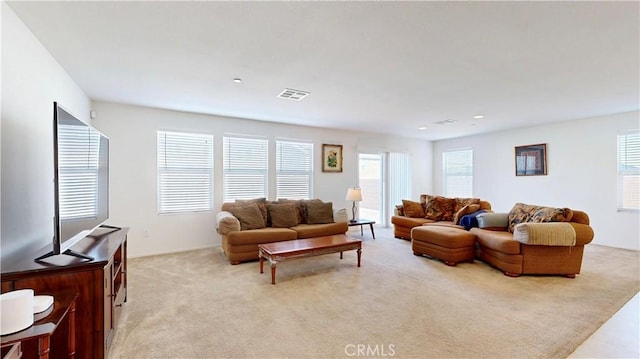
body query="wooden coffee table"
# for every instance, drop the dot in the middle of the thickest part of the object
(299, 248)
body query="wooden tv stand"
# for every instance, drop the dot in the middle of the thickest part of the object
(101, 285)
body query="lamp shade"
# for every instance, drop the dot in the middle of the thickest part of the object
(354, 194)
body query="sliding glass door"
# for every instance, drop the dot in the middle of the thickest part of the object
(385, 180)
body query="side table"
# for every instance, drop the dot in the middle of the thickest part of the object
(361, 222)
(64, 305)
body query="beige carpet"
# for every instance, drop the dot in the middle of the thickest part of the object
(196, 305)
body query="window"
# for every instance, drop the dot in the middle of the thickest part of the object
(185, 172)
(458, 173)
(294, 169)
(629, 170)
(245, 167)
(78, 156)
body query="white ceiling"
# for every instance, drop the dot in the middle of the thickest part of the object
(385, 67)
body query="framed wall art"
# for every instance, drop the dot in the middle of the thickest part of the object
(531, 160)
(331, 158)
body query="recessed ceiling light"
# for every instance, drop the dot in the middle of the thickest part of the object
(478, 116)
(237, 80)
(422, 128)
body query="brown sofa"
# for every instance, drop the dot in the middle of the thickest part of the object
(244, 225)
(435, 210)
(533, 240)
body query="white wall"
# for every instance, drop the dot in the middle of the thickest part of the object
(31, 81)
(133, 202)
(581, 160)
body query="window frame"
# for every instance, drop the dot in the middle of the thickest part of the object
(445, 173)
(628, 157)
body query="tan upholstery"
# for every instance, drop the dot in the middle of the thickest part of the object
(501, 250)
(242, 245)
(402, 224)
(451, 245)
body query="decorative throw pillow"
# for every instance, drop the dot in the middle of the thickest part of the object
(298, 205)
(493, 221)
(523, 213)
(304, 211)
(319, 212)
(250, 216)
(262, 205)
(340, 215)
(412, 209)
(283, 215)
(461, 202)
(440, 208)
(470, 208)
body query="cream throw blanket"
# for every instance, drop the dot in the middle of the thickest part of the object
(545, 234)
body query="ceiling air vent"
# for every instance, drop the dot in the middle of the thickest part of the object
(292, 94)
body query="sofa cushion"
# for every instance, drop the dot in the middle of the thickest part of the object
(304, 203)
(319, 212)
(298, 205)
(501, 241)
(320, 230)
(250, 216)
(259, 236)
(522, 213)
(340, 215)
(262, 205)
(493, 221)
(461, 202)
(440, 208)
(283, 215)
(412, 209)
(469, 208)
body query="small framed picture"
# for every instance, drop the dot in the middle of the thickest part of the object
(531, 160)
(331, 158)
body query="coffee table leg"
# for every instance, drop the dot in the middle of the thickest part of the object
(359, 255)
(340, 255)
(261, 263)
(273, 273)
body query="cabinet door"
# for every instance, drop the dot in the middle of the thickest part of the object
(108, 305)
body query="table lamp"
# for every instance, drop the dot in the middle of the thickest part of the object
(354, 194)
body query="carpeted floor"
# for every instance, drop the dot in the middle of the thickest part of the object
(196, 305)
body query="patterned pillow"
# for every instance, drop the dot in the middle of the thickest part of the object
(440, 208)
(523, 213)
(461, 202)
(470, 208)
(412, 209)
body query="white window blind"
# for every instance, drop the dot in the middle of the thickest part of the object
(458, 173)
(78, 165)
(294, 169)
(245, 168)
(185, 172)
(399, 178)
(629, 170)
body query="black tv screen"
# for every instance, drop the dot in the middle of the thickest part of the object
(81, 180)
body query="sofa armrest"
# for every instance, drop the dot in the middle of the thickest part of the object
(584, 233)
(226, 222)
(545, 234)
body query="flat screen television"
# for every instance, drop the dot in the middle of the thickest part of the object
(81, 181)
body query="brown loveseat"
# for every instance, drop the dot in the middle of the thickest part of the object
(433, 210)
(533, 240)
(245, 224)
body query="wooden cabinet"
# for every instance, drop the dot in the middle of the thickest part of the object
(101, 285)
